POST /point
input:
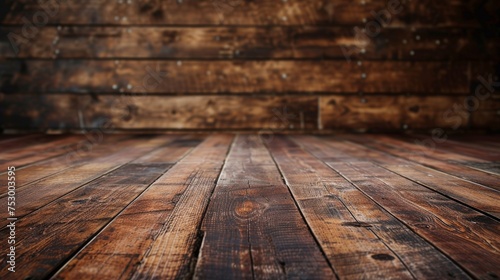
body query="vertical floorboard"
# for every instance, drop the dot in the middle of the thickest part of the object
(48, 237)
(155, 236)
(472, 194)
(20, 157)
(481, 152)
(467, 236)
(78, 155)
(253, 228)
(413, 152)
(47, 190)
(360, 239)
(24, 141)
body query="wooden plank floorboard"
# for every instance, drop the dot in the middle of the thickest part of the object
(30, 145)
(411, 152)
(157, 233)
(490, 141)
(483, 157)
(474, 150)
(252, 226)
(452, 227)
(475, 195)
(58, 230)
(9, 137)
(81, 154)
(490, 167)
(23, 141)
(221, 206)
(49, 189)
(351, 228)
(39, 152)
(467, 236)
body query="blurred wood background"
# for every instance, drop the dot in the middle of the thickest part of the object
(281, 65)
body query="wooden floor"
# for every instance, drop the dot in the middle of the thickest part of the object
(226, 206)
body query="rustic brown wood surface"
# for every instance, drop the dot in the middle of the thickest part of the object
(152, 112)
(372, 113)
(156, 234)
(352, 229)
(276, 113)
(53, 187)
(252, 228)
(240, 77)
(252, 43)
(218, 206)
(80, 154)
(371, 65)
(260, 12)
(425, 156)
(417, 207)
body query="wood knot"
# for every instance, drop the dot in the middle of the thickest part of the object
(247, 209)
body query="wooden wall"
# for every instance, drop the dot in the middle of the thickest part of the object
(279, 65)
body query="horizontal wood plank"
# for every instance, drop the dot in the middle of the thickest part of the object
(162, 112)
(298, 42)
(375, 113)
(259, 12)
(241, 77)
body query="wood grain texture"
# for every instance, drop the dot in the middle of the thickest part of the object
(375, 113)
(423, 155)
(162, 112)
(252, 228)
(351, 228)
(155, 236)
(491, 167)
(52, 234)
(86, 150)
(260, 12)
(479, 151)
(297, 42)
(405, 49)
(490, 113)
(436, 218)
(38, 145)
(450, 226)
(49, 189)
(16, 141)
(330, 206)
(438, 151)
(237, 77)
(475, 195)
(39, 152)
